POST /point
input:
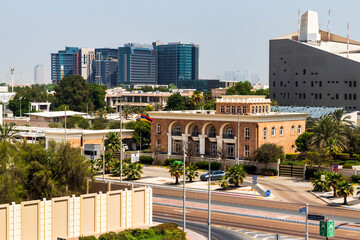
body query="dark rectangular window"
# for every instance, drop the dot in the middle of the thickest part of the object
(304, 95)
(345, 96)
(281, 83)
(312, 83)
(354, 83)
(300, 96)
(320, 83)
(315, 95)
(320, 95)
(337, 96)
(273, 83)
(296, 83)
(354, 97)
(350, 96)
(304, 71)
(350, 83)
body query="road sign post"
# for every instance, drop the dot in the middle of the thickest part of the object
(306, 227)
(327, 228)
(335, 167)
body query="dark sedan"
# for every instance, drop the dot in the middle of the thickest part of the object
(215, 175)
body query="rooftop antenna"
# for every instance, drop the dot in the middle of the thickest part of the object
(348, 40)
(12, 79)
(329, 27)
(299, 25)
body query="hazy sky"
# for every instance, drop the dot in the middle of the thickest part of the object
(232, 34)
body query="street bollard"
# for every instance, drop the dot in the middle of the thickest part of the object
(277, 236)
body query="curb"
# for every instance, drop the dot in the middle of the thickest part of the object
(331, 203)
(255, 216)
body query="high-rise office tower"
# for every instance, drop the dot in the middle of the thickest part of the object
(176, 62)
(106, 67)
(315, 68)
(39, 74)
(87, 58)
(65, 62)
(137, 64)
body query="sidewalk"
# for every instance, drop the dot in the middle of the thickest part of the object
(327, 197)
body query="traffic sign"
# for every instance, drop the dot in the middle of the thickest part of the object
(302, 210)
(316, 217)
(178, 162)
(327, 229)
(254, 179)
(335, 167)
(135, 157)
(268, 193)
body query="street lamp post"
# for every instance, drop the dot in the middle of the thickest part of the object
(184, 192)
(20, 105)
(103, 150)
(238, 140)
(12, 79)
(121, 145)
(209, 201)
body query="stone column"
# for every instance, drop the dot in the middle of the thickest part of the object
(169, 145)
(219, 143)
(202, 144)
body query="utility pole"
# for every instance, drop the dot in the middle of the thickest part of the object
(103, 158)
(209, 201)
(121, 144)
(65, 124)
(306, 223)
(238, 140)
(12, 79)
(184, 192)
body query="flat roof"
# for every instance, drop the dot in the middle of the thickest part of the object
(71, 130)
(56, 114)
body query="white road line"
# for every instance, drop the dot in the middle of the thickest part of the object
(269, 238)
(265, 234)
(249, 232)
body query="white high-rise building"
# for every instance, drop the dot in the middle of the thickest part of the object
(87, 59)
(39, 74)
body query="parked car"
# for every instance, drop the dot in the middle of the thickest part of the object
(215, 175)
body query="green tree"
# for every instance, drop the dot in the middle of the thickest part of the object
(345, 189)
(97, 95)
(223, 183)
(177, 102)
(130, 125)
(99, 123)
(332, 180)
(268, 153)
(176, 170)
(74, 92)
(148, 108)
(134, 171)
(19, 105)
(240, 88)
(8, 132)
(112, 142)
(172, 86)
(196, 98)
(303, 142)
(127, 110)
(142, 134)
(191, 173)
(236, 175)
(147, 88)
(320, 186)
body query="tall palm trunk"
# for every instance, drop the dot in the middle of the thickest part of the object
(345, 200)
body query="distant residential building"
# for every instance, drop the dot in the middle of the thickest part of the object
(136, 64)
(258, 86)
(39, 74)
(40, 106)
(65, 62)
(87, 58)
(106, 67)
(5, 97)
(177, 61)
(42, 119)
(217, 92)
(139, 98)
(317, 68)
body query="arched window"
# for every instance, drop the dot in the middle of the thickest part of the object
(292, 128)
(263, 109)
(158, 129)
(293, 147)
(195, 131)
(229, 133)
(259, 109)
(177, 130)
(281, 130)
(227, 109)
(265, 133)
(222, 109)
(238, 110)
(253, 109)
(212, 132)
(243, 109)
(267, 109)
(246, 133)
(299, 129)
(273, 131)
(256, 109)
(233, 109)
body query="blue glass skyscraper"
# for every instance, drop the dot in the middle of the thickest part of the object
(176, 62)
(64, 63)
(106, 67)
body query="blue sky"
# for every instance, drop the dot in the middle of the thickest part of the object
(232, 34)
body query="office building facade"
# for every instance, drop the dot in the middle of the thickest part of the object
(65, 62)
(39, 74)
(177, 61)
(137, 64)
(315, 68)
(87, 58)
(106, 67)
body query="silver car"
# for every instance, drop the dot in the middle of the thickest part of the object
(215, 175)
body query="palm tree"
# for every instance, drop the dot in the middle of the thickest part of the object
(191, 173)
(339, 116)
(332, 179)
(223, 183)
(112, 142)
(134, 171)
(320, 186)
(332, 148)
(176, 170)
(116, 168)
(7, 131)
(196, 98)
(345, 189)
(127, 110)
(327, 128)
(236, 174)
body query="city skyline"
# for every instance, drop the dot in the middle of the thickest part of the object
(231, 35)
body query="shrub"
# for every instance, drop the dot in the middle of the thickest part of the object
(355, 178)
(310, 173)
(108, 236)
(250, 169)
(170, 161)
(343, 156)
(146, 160)
(346, 165)
(160, 229)
(55, 125)
(356, 156)
(291, 156)
(88, 238)
(147, 150)
(205, 165)
(270, 171)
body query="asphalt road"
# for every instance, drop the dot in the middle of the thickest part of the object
(261, 225)
(217, 233)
